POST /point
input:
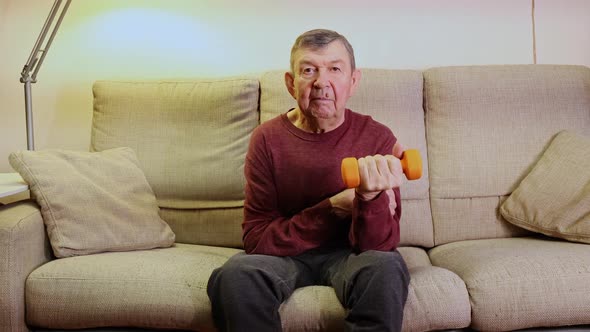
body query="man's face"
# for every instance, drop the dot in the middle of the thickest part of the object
(322, 81)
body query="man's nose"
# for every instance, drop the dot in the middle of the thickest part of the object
(321, 81)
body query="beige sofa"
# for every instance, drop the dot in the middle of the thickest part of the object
(480, 130)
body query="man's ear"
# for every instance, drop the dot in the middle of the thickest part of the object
(356, 79)
(290, 83)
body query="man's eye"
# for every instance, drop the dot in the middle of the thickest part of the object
(335, 68)
(307, 70)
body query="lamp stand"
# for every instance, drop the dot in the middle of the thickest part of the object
(36, 59)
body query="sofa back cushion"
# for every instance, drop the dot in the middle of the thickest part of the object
(487, 126)
(394, 98)
(191, 139)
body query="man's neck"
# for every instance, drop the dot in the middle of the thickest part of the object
(312, 124)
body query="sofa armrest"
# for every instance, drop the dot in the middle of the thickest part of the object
(24, 246)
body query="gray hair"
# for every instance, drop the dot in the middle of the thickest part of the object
(318, 39)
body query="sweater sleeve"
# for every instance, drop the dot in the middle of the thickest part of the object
(265, 229)
(374, 226)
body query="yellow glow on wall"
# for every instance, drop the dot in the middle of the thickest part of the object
(141, 43)
(132, 30)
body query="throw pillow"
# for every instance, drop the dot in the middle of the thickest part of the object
(554, 198)
(93, 202)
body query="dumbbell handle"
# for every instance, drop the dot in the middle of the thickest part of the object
(411, 166)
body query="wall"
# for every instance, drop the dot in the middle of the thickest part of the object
(137, 39)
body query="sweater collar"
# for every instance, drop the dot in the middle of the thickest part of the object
(317, 136)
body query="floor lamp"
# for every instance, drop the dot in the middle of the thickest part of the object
(31, 68)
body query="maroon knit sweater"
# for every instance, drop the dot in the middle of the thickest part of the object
(290, 176)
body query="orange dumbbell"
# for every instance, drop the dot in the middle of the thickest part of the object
(411, 166)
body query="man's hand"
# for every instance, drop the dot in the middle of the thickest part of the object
(342, 203)
(392, 201)
(378, 173)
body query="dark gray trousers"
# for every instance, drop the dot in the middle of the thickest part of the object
(247, 290)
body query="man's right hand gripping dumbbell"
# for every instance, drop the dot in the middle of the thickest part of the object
(377, 173)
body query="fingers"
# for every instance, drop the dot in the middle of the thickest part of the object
(393, 164)
(379, 173)
(392, 201)
(398, 150)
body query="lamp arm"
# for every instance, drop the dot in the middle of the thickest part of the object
(34, 62)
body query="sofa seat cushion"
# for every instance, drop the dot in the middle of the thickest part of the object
(160, 288)
(437, 300)
(437, 297)
(166, 288)
(521, 283)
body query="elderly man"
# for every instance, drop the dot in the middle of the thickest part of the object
(301, 225)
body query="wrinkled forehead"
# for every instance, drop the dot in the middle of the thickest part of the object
(332, 53)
